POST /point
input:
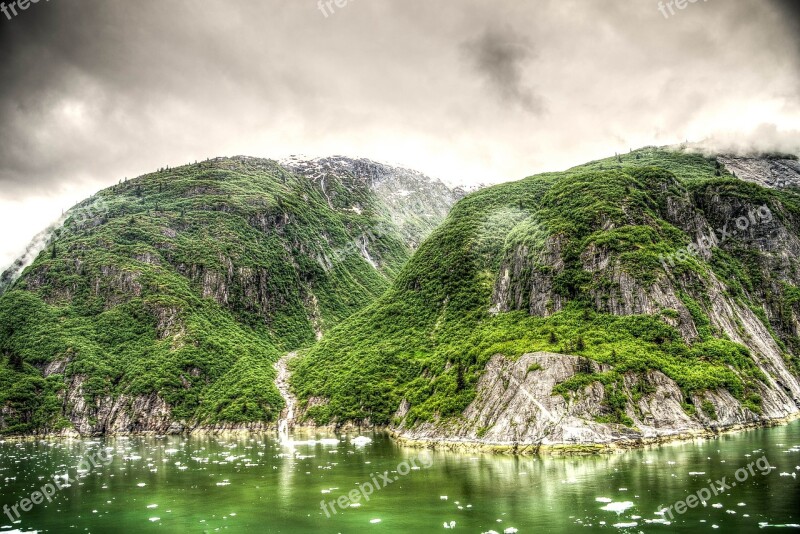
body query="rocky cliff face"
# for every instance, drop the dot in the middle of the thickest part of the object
(775, 171)
(515, 408)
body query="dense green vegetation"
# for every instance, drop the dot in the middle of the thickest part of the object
(427, 339)
(190, 283)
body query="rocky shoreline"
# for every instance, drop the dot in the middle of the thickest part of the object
(456, 445)
(584, 448)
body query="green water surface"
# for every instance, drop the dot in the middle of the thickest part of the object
(256, 484)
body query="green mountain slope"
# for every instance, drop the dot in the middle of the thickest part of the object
(591, 262)
(168, 298)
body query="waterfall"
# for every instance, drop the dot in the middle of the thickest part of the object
(286, 420)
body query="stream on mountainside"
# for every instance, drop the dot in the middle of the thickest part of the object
(286, 419)
(321, 483)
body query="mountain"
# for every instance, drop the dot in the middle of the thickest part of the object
(415, 203)
(163, 302)
(632, 299)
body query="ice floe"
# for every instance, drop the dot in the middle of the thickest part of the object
(617, 507)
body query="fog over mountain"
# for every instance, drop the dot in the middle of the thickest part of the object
(466, 91)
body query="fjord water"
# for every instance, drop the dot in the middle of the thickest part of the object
(256, 484)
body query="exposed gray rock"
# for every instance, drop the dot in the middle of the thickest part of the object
(515, 408)
(778, 172)
(116, 415)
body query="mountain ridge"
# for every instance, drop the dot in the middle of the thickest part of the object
(609, 303)
(573, 263)
(172, 294)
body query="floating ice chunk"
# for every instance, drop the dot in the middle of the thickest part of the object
(716, 505)
(374, 521)
(626, 525)
(451, 524)
(603, 499)
(141, 484)
(617, 507)
(443, 497)
(152, 506)
(154, 519)
(361, 441)
(696, 473)
(510, 530)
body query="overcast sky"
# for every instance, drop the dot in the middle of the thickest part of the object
(92, 91)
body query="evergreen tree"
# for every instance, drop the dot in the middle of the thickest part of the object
(460, 384)
(15, 361)
(585, 366)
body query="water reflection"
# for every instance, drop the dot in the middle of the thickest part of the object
(240, 483)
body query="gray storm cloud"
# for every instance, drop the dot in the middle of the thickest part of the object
(92, 91)
(501, 56)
